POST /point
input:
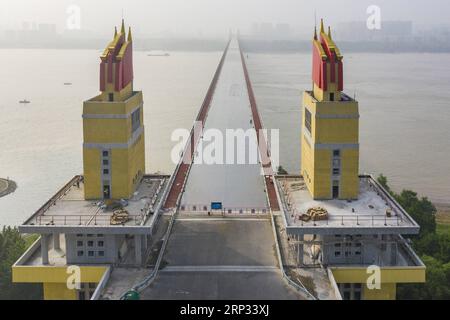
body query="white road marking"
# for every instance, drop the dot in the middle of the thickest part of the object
(221, 219)
(220, 269)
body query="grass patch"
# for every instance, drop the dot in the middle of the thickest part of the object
(443, 220)
(443, 228)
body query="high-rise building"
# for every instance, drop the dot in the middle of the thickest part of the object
(330, 139)
(114, 147)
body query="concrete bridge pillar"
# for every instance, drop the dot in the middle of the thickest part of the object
(138, 249)
(56, 241)
(144, 243)
(300, 250)
(44, 249)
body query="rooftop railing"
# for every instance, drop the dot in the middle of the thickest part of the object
(52, 201)
(345, 220)
(83, 220)
(396, 218)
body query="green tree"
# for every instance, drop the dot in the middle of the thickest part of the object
(12, 246)
(435, 288)
(384, 182)
(421, 210)
(435, 245)
(433, 248)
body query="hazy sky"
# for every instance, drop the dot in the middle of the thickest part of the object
(213, 17)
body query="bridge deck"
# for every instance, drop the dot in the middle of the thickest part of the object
(235, 185)
(208, 259)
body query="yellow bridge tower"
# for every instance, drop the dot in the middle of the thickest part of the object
(114, 146)
(330, 129)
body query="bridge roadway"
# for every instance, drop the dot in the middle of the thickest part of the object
(214, 258)
(236, 185)
(208, 259)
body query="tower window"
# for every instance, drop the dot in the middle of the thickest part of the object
(111, 97)
(336, 171)
(105, 171)
(135, 120)
(335, 189)
(336, 153)
(105, 162)
(308, 119)
(106, 192)
(105, 153)
(331, 96)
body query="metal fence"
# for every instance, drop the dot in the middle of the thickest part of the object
(83, 220)
(225, 211)
(346, 220)
(364, 219)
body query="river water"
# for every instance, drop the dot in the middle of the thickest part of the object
(404, 105)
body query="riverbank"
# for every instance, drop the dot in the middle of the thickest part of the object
(7, 187)
(443, 218)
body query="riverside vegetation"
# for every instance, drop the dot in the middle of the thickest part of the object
(12, 246)
(432, 245)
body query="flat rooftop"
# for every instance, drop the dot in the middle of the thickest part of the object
(369, 211)
(68, 208)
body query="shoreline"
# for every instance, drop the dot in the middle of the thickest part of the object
(443, 213)
(9, 186)
(442, 207)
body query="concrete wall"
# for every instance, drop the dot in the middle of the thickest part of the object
(107, 254)
(366, 250)
(58, 291)
(54, 279)
(389, 278)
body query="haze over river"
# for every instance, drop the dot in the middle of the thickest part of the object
(404, 105)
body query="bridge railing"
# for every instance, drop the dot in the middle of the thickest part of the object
(204, 209)
(181, 172)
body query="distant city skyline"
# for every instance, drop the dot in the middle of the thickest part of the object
(213, 18)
